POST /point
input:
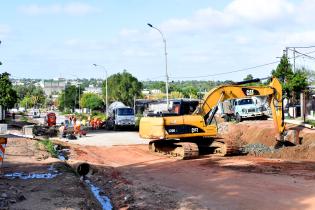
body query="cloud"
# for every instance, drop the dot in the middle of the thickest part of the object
(260, 10)
(300, 38)
(201, 20)
(305, 12)
(4, 31)
(237, 14)
(53, 9)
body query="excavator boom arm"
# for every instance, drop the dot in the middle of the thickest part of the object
(221, 93)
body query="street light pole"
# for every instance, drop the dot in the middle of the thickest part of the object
(106, 90)
(165, 52)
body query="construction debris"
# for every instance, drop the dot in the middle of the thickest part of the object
(256, 149)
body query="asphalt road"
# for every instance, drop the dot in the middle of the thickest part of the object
(60, 118)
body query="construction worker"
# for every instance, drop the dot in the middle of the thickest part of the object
(77, 129)
(83, 122)
(74, 120)
(62, 130)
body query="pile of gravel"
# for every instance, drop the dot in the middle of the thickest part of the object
(257, 149)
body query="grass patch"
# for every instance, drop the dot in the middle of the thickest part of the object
(49, 146)
(311, 122)
(23, 119)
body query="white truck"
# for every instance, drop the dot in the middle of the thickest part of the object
(240, 109)
(246, 108)
(120, 116)
(35, 113)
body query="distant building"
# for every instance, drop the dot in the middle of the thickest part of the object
(156, 91)
(92, 89)
(17, 83)
(53, 86)
(145, 92)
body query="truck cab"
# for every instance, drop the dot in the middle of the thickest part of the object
(122, 117)
(246, 108)
(35, 113)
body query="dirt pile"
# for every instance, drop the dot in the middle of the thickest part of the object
(305, 151)
(258, 138)
(249, 132)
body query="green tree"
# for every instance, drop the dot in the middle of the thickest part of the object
(69, 98)
(292, 82)
(284, 73)
(35, 93)
(248, 77)
(298, 82)
(190, 92)
(176, 94)
(92, 101)
(123, 87)
(8, 96)
(26, 102)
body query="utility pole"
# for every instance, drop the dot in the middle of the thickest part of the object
(294, 60)
(165, 53)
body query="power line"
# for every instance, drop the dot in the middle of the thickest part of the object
(304, 55)
(243, 69)
(301, 47)
(229, 72)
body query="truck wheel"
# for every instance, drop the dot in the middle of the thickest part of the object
(238, 118)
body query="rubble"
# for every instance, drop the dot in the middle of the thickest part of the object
(257, 149)
(11, 196)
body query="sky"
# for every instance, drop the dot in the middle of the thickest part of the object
(205, 39)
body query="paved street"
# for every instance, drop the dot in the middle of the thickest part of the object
(60, 118)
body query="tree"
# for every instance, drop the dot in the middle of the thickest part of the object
(69, 98)
(176, 94)
(8, 96)
(26, 102)
(190, 92)
(92, 101)
(33, 95)
(298, 82)
(248, 77)
(123, 87)
(292, 82)
(284, 70)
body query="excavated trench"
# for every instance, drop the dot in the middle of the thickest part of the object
(84, 170)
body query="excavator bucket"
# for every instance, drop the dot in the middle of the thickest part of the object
(292, 136)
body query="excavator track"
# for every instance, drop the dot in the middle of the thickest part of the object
(225, 148)
(178, 150)
(190, 150)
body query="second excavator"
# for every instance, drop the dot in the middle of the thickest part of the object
(184, 136)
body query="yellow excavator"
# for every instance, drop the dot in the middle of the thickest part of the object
(185, 136)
